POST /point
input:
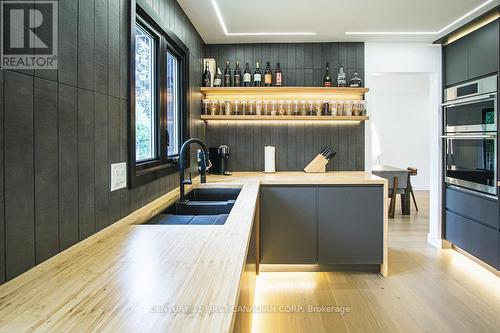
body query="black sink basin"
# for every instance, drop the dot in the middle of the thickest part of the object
(203, 206)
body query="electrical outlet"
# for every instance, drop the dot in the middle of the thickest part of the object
(118, 176)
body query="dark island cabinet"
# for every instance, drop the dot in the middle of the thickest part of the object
(472, 56)
(326, 225)
(350, 224)
(288, 224)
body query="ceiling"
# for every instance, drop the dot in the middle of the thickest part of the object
(329, 19)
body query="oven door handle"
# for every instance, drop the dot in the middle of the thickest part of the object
(469, 100)
(478, 136)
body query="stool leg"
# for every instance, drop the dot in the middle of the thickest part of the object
(392, 205)
(413, 197)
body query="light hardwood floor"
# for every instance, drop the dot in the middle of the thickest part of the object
(428, 290)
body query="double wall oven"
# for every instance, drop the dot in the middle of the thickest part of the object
(470, 134)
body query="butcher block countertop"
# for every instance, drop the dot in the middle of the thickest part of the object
(141, 278)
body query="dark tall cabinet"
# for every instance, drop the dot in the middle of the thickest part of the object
(472, 56)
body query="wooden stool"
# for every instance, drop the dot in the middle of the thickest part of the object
(412, 172)
(393, 195)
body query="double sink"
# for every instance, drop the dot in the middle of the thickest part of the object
(201, 206)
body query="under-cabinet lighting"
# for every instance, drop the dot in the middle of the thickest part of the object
(227, 33)
(282, 122)
(388, 33)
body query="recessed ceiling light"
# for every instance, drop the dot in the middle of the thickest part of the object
(420, 32)
(227, 33)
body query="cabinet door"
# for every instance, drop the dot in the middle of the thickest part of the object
(475, 238)
(483, 51)
(288, 224)
(351, 225)
(456, 61)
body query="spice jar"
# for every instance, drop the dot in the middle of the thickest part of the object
(205, 107)
(281, 108)
(310, 110)
(273, 108)
(243, 107)
(348, 108)
(251, 108)
(221, 107)
(258, 108)
(288, 107)
(333, 107)
(296, 108)
(227, 108)
(236, 108)
(214, 107)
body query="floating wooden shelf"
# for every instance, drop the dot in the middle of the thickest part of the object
(273, 118)
(229, 93)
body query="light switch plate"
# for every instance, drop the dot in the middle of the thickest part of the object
(118, 176)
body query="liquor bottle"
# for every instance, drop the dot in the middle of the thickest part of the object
(207, 81)
(268, 76)
(257, 76)
(237, 75)
(341, 77)
(327, 79)
(247, 76)
(279, 76)
(218, 78)
(227, 76)
(355, 82)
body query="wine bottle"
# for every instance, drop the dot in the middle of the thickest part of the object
(207, 81)
(341, 77)
(327, 79)
(218, 78)
(268, 75)
(247, 76)
(237, 75)
(279, 76)
(355, 82)
(257, 76)
(227, 76)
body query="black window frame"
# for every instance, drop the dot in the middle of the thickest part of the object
(147, 171)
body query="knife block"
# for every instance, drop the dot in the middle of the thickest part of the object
(318, 164)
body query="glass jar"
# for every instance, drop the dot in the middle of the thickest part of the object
(243, 107)
(281, 108)
(266, 108)
(236, 108)
(303, 107)
(273, 108)
(258, 108)
(362, 107)
(288, 107)
(333, 108)
(205, 107)
(296, 108)
(340, 108)
(325, 108)
(251, 108)
(227, 108)
(310, 108)
(355, 108)
(221, 107)
(348, 108)
(317, 108)
(214, 108)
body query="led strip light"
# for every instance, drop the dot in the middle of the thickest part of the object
(421, 32)
(227, 33)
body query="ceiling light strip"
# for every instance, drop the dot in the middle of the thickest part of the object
(224, 28)
(397, 33)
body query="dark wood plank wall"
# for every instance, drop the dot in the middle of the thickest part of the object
(303, 64)
(61, 130)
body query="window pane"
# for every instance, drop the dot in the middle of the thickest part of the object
(145, 100)
(173, 112)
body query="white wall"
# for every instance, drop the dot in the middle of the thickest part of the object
(398, 100)
(409, 64)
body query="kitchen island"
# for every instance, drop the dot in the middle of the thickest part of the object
(175, 278)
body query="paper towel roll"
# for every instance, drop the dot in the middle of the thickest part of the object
(269, 159)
